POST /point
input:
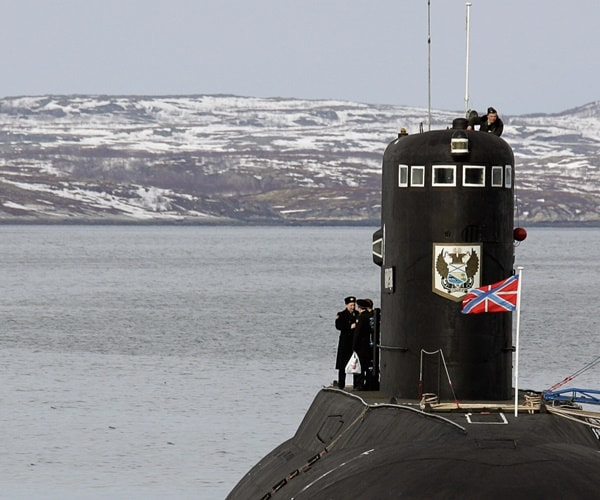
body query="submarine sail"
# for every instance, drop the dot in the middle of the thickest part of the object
(447, 220)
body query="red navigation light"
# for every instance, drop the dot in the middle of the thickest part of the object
(519, 234)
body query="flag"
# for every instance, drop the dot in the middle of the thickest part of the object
(497, 297)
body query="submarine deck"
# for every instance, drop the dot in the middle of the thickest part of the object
(529, 402)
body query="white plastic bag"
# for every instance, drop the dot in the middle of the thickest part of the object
(353, 365)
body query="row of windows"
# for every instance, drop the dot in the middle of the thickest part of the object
(446, 176)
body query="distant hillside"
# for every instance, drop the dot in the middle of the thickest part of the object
(227, 159)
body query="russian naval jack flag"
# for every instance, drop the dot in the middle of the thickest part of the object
(497, 297)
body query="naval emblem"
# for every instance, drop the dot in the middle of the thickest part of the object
(456, 269)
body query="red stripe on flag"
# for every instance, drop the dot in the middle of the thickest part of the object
(497, 297)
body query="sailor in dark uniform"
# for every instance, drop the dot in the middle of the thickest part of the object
(345, 322)
(362, 340)
(489, 122)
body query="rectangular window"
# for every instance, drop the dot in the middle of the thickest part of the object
(497, 176)
(473, 176)
(402, 175)
(508, 176)
(417, 176)
(444, 175)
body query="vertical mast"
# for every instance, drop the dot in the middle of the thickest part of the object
(429, 63)
(468, 4)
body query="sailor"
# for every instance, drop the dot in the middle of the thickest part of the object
(490, 122)
(362, 340)
(345, 322)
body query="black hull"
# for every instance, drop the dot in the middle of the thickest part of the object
(346, 448)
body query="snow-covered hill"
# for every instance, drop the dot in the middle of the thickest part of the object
(217, 158)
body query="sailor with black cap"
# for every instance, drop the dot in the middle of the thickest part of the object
(490, 122)
(345, 322)
(362, 339)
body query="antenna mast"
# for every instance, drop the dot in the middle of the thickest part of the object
(468, 4)
(429, 63)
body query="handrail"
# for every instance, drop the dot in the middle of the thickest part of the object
(588, 396)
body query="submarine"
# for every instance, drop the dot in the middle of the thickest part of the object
(443, 419)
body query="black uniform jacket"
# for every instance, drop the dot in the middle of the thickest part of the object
(362, 338)
(495, 128)
(343, 322)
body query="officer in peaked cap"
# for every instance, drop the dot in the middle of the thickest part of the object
(345, 322)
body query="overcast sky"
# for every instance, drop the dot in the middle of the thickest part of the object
(526, 55)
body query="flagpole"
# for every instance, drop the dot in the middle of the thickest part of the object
(520, 273)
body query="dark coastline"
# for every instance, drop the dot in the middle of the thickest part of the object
(261, 223)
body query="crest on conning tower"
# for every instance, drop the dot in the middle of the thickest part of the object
(456, 269)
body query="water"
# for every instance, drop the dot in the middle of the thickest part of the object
(164, 362)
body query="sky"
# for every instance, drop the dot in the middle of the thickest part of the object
(526, 56)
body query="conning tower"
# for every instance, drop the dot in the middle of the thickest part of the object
(447, 227)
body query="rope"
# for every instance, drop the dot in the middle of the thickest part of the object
(533, 402)
(420, 386)
(587, 367)
(577, 415)
(449, 381)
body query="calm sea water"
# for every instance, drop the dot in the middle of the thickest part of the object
(164, 362)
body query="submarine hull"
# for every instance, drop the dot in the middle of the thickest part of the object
(347, 448)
